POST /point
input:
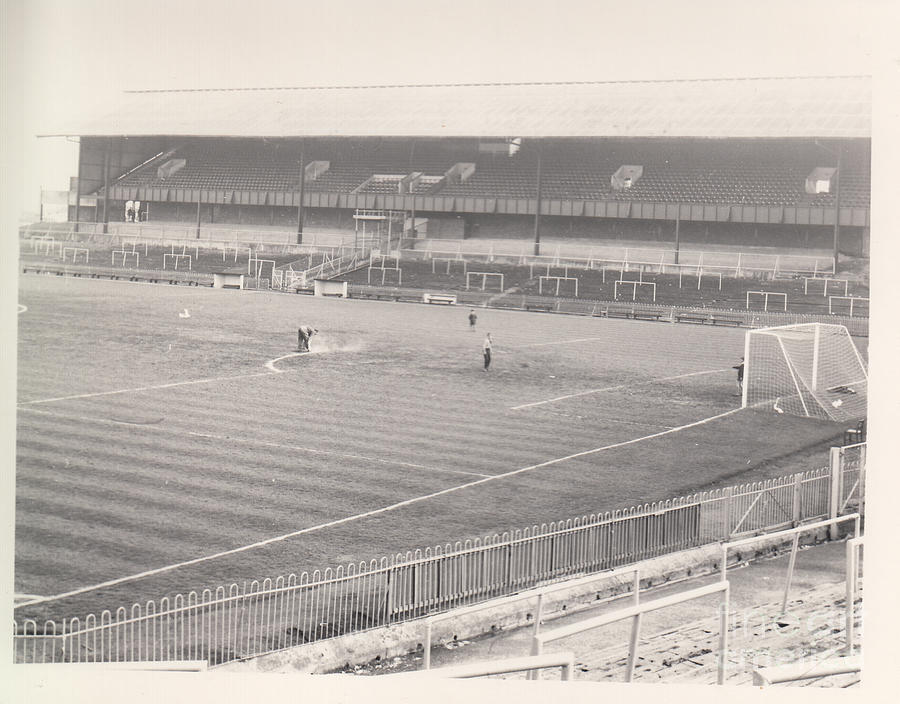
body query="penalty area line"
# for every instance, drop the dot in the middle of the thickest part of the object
(559, 342)
(614, 388)
(373, 512)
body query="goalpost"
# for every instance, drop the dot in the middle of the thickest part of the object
(811, 369)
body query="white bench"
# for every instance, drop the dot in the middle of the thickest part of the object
(439, 298)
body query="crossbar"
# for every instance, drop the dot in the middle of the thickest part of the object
(635, 285)
(558, 280)
(177, 258)
(852, 300)
(766, 295)
(827, 280)
(384, 270)
(484, 275)
(449, 261)
(75, 252)
(125, 254)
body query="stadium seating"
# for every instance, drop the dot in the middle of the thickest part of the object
(707, 176)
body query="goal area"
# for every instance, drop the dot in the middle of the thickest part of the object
(812, 369)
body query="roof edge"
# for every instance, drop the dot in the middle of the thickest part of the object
(497, 84)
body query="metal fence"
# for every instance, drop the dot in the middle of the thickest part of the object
(658, 259)
(514, 251)
(235, 622)
(851, 485)
(174, 233)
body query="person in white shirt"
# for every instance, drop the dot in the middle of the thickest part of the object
(304, 332)
(486, 348)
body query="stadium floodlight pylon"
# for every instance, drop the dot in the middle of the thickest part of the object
(810, 369)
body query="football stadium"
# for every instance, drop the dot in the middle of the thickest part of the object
(572, 349)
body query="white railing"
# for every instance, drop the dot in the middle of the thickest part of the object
(635, 612)
(328, 268)
(521, 250)
(538, 595)
(658, 259)
(529, 663)
(765, 676)
(228, 623)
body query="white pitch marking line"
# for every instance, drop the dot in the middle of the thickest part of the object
(559, 342)
(614, 388)
(368, 514)
(271, 363)
(146, 388)
(21, 308)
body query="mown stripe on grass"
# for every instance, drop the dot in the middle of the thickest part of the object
(618, 387)
(374, 512)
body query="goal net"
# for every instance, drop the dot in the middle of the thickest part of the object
(813, 370)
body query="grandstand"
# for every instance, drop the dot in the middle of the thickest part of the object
(752, 162)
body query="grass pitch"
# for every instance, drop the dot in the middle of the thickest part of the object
(159, 453)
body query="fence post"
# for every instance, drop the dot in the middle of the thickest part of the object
(861, 486)
(726, 527)
(426, 654)
(797, 515)
(836, 483)
(387, 596)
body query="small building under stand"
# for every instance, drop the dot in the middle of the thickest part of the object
(330, 287)
(229, 278)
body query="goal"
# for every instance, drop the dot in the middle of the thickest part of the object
(812, 370)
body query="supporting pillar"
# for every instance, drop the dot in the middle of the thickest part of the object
(537, 211)
(412, 223)
(106, 188)
(198, 215)
(837, 210)
(78, 188)
(677, 231)
(300, 204)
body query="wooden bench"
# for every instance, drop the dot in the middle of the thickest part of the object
(720, 320)
(545, 307)
(697, 318)
(639, 314)
(377, 296)
(449, 300)
(617, 312)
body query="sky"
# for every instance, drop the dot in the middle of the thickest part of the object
(75, 55)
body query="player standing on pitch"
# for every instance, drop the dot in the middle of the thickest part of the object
(472, 320)
(740, 375)
(304, 332)
(486, 349)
